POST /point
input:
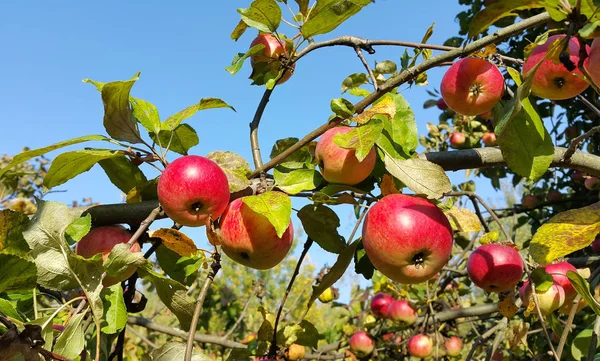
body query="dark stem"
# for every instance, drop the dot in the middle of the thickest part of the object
(254, 128)
(367, 67)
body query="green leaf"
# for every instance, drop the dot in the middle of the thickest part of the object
(146, 113)
(12, 225)
(180, 268)
(174, 351)
(276, 206)
(302, 6)
(354, 81)
(295, 177)
(179, 140)
(399, 136)
(205, 103)
(301, 155)
(542, 280)
(123, 173)
(320, 224)
(362, 263)
(496, 11)
(386, 67)
(78, 229)
(361, 138)
(71, 341)
(144, 192)
(115, 311)
(342, 108)
(304, 334)
(329, 14)
(239, 58)
(420, 176)
(335, 273)
(239, 30)
(25, 156)
(235, 167)
(120, 259)
(118, 117)
(70, 164)
(583, 288)
(9, 310)
(16, 273)
(581, 344)
(47, 332)
(264, 15)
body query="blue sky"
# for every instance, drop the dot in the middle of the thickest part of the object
(182, 48)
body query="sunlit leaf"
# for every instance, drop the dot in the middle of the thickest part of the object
(70, 164)
(176, 241)
(320, 224)
(276, 206)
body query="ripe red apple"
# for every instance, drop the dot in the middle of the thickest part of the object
(407, 238)
(593, 65)
(495, 267)
(250, 239)
(271, 55)
(193, 188)
(453, 346)
(472, 86)
(553, 80)
(596, 244)
(420, 346)
(489, 139)
(441, 104)
(457, 140)
(361, 344)
(558, 271)
(549, 301)
(380, 304)
(340, 165)
(402, 312)
(529, 201)
(102, 240)
(592, 183)
(554, 196)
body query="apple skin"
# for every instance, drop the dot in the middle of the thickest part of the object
(102, 240)
(529, 201)
(339, 165)
(592, 183)
(380, 304)
(549, 301)
(457, 140)
(441, 104)
(487, 115)
(407, 238)
(577, 176)
(193, 188)
(593, 65)
(489, 139)
(495, 267)
(401, 311)
(250, 239)
(420, 346)
(553, 81)
(565, 309)
(453, 346)
(472, 86)
(554, 196)
(274, 49)
(361, 344)
(558, 271)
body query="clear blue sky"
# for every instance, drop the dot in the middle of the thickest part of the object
(182, 48)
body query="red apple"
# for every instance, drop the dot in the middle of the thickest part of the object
(554, 196)
(592, 183)
(441, 104)
(380, 304)
(487, 115)
(457, 140)
(489, 139)
(453, 346)
(420, 346)
(102, 240)
(250, 239)
(193, 188)
(407, 238)
(596, 244)
(565, 309)
(558, 271)
(553, 80)
(340, 165)
(402, 312)
(495, 267)
(271, 55)
(361, 344)
(593, 65)
(548, 301)
(578, 176)
(472, 86)
(529, 201)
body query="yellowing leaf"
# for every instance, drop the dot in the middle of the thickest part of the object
(463, 220)
(176, 241)
(565, 233)
(388, 186)
(385, 106)
(485, 52)
(516, 334)
(506, 304)
(489, 237)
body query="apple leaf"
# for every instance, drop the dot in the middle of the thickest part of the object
(9, 310)
(71, 341)
(420, 176)
(78, 229)
(179, 140)
(70, 164)
(506, 304)
(565, 233)
(181, 269)
(581, 344)
(354, 81)
(542, 280)
(120, 259)
(25, 156)
(399, 136)
(145, 113)
(304, 334)
(498, 10)
(239, 58)
(115, 311)
(583, 288)
(235, 167)
(386, 67)
(174, 351)
(343, 108)
(327, 15)
(361, 138)
(295, 177)
(143, 192)
(123, 173)
(463, 220)
(385, 105)
(205, 103)
(362, 263)
(176, 241)
(276, 206)
(320, 224)
(264, 15)
(239, 30)
(12, 225)
(16, 273)
(304, 154)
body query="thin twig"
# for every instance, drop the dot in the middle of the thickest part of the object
(366, 64)
(539, 312)
(567, 329)
(575, 142)
(254, 128)
(240, 317)
(144, 226)
(144, 338)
